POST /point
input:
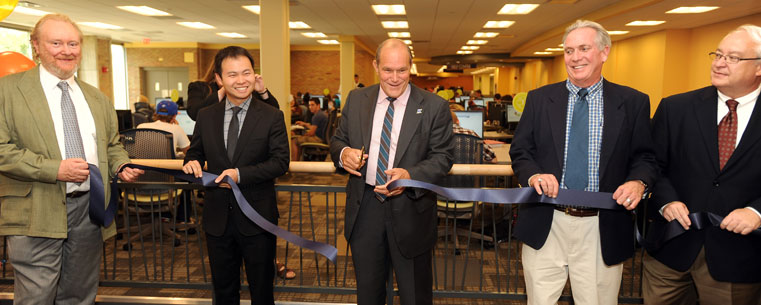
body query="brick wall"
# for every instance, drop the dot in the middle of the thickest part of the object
(138, 58)
(311, 71)
(465, 81)
(105, 79)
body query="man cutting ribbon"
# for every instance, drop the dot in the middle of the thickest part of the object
(51, 125)
(243, 139)
(589, 134)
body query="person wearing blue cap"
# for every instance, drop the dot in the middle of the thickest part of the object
(164, 119)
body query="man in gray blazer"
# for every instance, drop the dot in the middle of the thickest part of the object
(51, 126)
(407, 134)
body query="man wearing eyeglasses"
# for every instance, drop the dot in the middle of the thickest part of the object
(708, 147)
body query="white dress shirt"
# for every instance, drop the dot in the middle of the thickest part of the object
(84, 118)
(381, 106)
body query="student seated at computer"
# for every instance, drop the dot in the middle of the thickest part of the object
(315, 131)
(489, 155)
(164, 119)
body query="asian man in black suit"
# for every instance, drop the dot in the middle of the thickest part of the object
(392, 227)
(245, 139)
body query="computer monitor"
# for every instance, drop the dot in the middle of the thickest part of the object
(473, 120)
(124, 117)
(496, 112)
(185, 121)
(512, 115)
(488, 99)
(457, 99)
(478, 102)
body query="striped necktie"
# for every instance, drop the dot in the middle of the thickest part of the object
(385, 147)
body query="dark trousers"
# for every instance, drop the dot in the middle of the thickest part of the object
(225, 255)
(374, 249)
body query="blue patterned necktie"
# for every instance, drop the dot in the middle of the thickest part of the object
(232, 133)
(385, 147)
(577, 160)
(71, 135)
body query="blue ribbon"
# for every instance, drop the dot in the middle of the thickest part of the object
(207, 180)
(99, 214)
(600, 200)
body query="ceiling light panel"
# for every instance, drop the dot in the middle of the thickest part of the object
(645, 22)
(314, 34)
(554, 49)
(479, 42)
(298, 25)
(395, 24)
(517, 9)
(328, 41)
(407, 41)
(101, 25)
(196, 25)
(464, 52)
(469, 48)
(144, 10)
(692, 9)
(29, 11)
(498, 24)
(618, 32)
(395, 9)
(486, 35)
(543, 53)
(232, 35)
(253, 8)
(399, 34)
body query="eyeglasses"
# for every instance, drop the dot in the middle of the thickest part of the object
(730, 59)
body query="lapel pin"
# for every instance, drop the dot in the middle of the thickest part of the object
(419, 110)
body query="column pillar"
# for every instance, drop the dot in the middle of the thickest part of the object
(275, 52)
(346, 66)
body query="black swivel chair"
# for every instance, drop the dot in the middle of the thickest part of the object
(313, 151)
(148, 204)
(468, 150)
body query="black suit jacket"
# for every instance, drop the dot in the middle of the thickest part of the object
(626, 154)
(685, 132)
(424, 149)
(261, 155)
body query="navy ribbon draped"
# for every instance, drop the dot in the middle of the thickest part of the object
(600, 200)
(106, 216)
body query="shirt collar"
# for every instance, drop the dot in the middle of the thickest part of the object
(591, 89)
(743, 100)
(50, 81)
(244, 105)
(400, 101)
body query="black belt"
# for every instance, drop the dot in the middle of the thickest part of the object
(77, 194)
(577, 212)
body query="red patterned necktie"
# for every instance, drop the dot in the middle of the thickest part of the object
(727, 134)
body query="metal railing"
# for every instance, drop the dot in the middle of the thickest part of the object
(483, 263)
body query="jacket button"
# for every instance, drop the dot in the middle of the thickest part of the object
(230, 207)
(716, 183)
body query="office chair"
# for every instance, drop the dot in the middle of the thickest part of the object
(148, 204)
(313, 151)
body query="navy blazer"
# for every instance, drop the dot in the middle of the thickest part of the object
(261, 155)
(626, 154)
(424, 149)
(685, 132)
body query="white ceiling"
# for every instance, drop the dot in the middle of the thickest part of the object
(438, 27)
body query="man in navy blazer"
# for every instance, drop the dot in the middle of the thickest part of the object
(245, 139)
(392, 227)
(584, 244)
(708, 144)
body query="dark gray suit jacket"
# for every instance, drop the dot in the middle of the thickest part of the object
(626, 154)
(424, 149)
